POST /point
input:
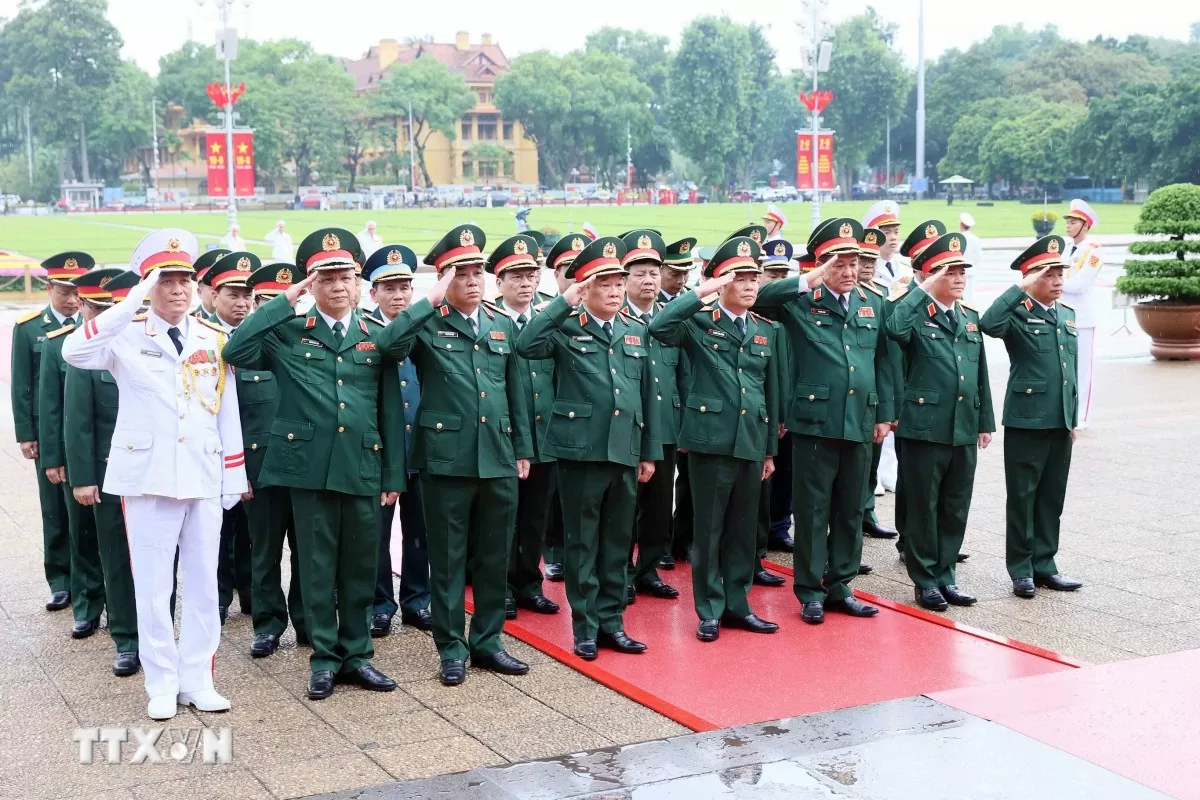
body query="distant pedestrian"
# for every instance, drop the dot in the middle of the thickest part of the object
(282, 248)
(972, 253)
(233, 240)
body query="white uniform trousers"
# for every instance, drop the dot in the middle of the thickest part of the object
(889, 467)
(155, 526)
(1087, 361)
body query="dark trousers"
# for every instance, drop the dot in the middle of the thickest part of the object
(118, 574)
(87, 574)
(725, 493)
(598, 500)
(652, 519)
(779, 492)
(470, 524)
(681, 522)
(529, 532)
(56, 530)
(414, 554)
(901, 502)
(872, 480)
(828, 476)
(1036, 466)
(234, 559)
(270, 522)
(938, 485)
(555, 538)
(337, 536)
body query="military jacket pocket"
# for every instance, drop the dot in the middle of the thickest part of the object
(449, 354)
(702, 417)
(634, 355)
(935, 343)
(811, 403)
(369, 463)
(308, 363)
(255, 386)
(498, 355)
(821, 328)
(1027, 399)
(289, 443)
(440, 434)
(974, 345)
(920, 408)
(585, 356)
(1040, 335)
(669, 355)
(107, 394)
(367, 365)
(1072, 341)
(571, 424)
(867, 332)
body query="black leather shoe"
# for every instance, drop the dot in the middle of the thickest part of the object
(126, 664)
(865, 569)
(660, 590)
(586, 649)
(58, 601)
(764, 578)
(630, 595)
(421, 619)
(620, 641)
(244, 605)
(813, 612)
(1059, 583)
(1023, 587)
(709, 630)
(750, 623)
(223, 611)
(368, 678)
(683, 556)
(901, 557)
(667, 562)
(381, 625)
(84, 628)
(873, 528)
(500, 662)
(956, 597)
(852, 606)
(784, 545)
(302, 639)
(510, 608)
(452, 672)
(931, 599)
(320, 684)
(554, 572)
(961, 557)
(263, 645)
(538, 604)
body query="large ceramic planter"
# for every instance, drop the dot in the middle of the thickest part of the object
(1043, 227)
(1174, 329)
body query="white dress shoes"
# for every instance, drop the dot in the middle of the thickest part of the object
(162, 707)
(206, 700)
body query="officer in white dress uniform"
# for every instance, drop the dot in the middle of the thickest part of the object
(1085, 260)
(176, 461)
(972, 253)
(774, 220)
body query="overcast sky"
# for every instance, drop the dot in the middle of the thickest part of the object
(348, 27)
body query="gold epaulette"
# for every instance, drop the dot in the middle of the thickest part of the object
(488, 304)
(871, 287)
(215, 326)
(756, 317)
(542, 306)
(706, 308)
(140, 318)
(1064, 305)
(60, 331)
(968, 306)
(893, 298)
(623, 314)
(30, 316)
(708, 301)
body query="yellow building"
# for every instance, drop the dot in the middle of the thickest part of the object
(452, 161)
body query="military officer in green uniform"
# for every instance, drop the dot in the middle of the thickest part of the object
(89, 419)
(841, 403)
(678, 262)
(1041, 409)
(231, 301)
(472, 446)
(207, 310)
(645, 261)
(945, 418)
(517, 273)
(28, 341)
(730, 428)
(334, 445)
(604, 433)
(269, 510)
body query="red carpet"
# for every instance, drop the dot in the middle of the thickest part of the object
(1138, 718)
(802, 669)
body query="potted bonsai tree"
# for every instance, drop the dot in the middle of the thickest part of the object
(1169, 287)
(1043, 222)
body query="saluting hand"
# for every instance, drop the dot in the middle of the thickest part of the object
(645, 471)
(297, 290)
(438, 293)
(1030, 278)
(817, 276)
(574, 292)
(713, 285)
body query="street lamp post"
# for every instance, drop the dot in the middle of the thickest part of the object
(226, 41)
(819, 53)
(920, 96)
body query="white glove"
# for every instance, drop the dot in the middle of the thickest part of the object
(228, 501)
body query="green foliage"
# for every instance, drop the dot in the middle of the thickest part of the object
(1044, 216)
(1172, 210)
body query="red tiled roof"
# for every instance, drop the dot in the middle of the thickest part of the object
(479, 63)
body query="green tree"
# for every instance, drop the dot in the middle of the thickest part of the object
(535, 92)
(1033, 147)
(122, 128)
(438, 99)
(318, 105)
(359, 137)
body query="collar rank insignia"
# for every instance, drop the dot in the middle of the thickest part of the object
(583, 318)
(816, 294)
(497, 335)
(760, 339)
(716, 315)
(633, 340)
(444, 310)
(363, 326)
(866, 311)
(972, 327)
(1028, 304)
(365, 346)
(311, 322)
(932, 309)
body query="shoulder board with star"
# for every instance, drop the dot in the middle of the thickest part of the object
(215, 326)
(756, 317)
(140, 318)
(542, 305)
(968, 306)
(375, 319)
(488, 305)
(706, 309)
(871, 287)
(32, 315)
(61, 331)
(628, 319)
(897, 295)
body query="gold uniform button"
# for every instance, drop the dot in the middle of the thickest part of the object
(653, 362)
(610, 352)
(962, 377)
(408, 427)
(376, 447)
(1064, 384)
(659, 396)
(616, 391)
(617, 413)
(449, 347)
(740, 370)
(1029, 391)
(851, 391)
(256, 378)
(538, 418)
(536, 395)
(812, 397)
(438, 426)
(369, 361)
(716, 347)
(129, 447)
(1064, 365)
(570, 415)
(613, 371)
(291, 436)
(308, 355)
(743, 390)
(533, 374)
(477, 371)
(703, 409)
(476, 347)
(845, 326)
(339, 359)
(254, 446)
(402, 383)
(343, 405)
(852, 369)
(406, 405)
(341, 429)
(960, 358)
(483, 419)
(743, 412)
(956, 342)
(1060, 347)
(920, 401)
(340, 382)
(960, 398)
(847, 347)
(483, 394)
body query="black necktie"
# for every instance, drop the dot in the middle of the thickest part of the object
(338, 331)
(741, 326)
(844, 300)
(521, 320)
(176, 339)
(474, 325)
(608, 329)
(1053, 313)
(952, 317)
(645, 315)
(68, 321)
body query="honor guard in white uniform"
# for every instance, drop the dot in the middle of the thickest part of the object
(773, 221)
(176, 460)
(972, 253)
(1085, 260)
(893, 272)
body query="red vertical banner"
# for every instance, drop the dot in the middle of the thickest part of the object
(824, 160)
(215, 155)
(218, 164)
(804, 165)
(243, 163)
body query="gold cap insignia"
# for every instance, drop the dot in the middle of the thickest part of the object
(104, 282)
(644, 242)
(1052, 247)
(173, 245)
(466, 238)
(577, 244)
(685, 247)
(243, 264)
(331, 242)
(756, 236)
(781, 249)
(871, 238)
(283, 276)
(956, 245)
(520, 248)
(394, 257)
(743, 249)
(70, 263)
(610, 250)
(846, 231)
(930, 231)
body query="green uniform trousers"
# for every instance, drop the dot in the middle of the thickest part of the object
(652, 519)
(681, 522)
(56, 530)
(529, 533)
(901, 501)
(234, 560)
(828, 476)
(598, 502)
(1036, 466)
(87, 575)
(555, 538)
(338, 538)
(113, 545)
(725, 496)
(269, 521)
(469, 524)
(938, 482)
(872, 478)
